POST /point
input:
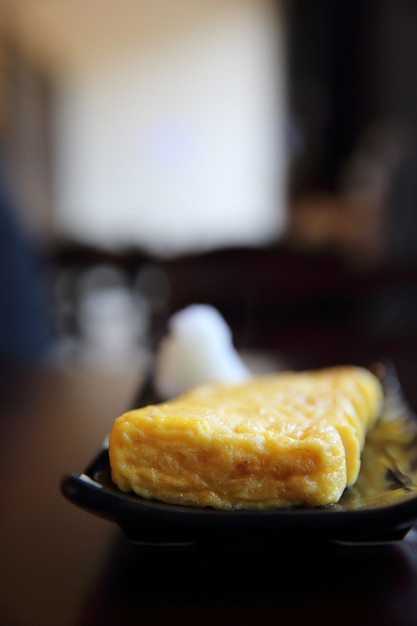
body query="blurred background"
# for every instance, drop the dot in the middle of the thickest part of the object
(257, 155)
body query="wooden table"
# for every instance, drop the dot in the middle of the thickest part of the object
(51, 553)
(293, 585)
(61, 566)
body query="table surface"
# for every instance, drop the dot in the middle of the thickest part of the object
(61, 566)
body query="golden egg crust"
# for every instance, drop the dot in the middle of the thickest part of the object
(277, 440)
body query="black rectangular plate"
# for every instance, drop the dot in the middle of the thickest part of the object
(381, 507)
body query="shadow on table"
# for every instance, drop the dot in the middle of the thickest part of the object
(281, 584)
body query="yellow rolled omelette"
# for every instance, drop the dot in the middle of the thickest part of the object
(276, 440)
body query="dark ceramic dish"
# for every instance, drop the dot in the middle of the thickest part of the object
(381, 507)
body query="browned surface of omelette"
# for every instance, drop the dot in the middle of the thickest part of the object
(276, 440)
